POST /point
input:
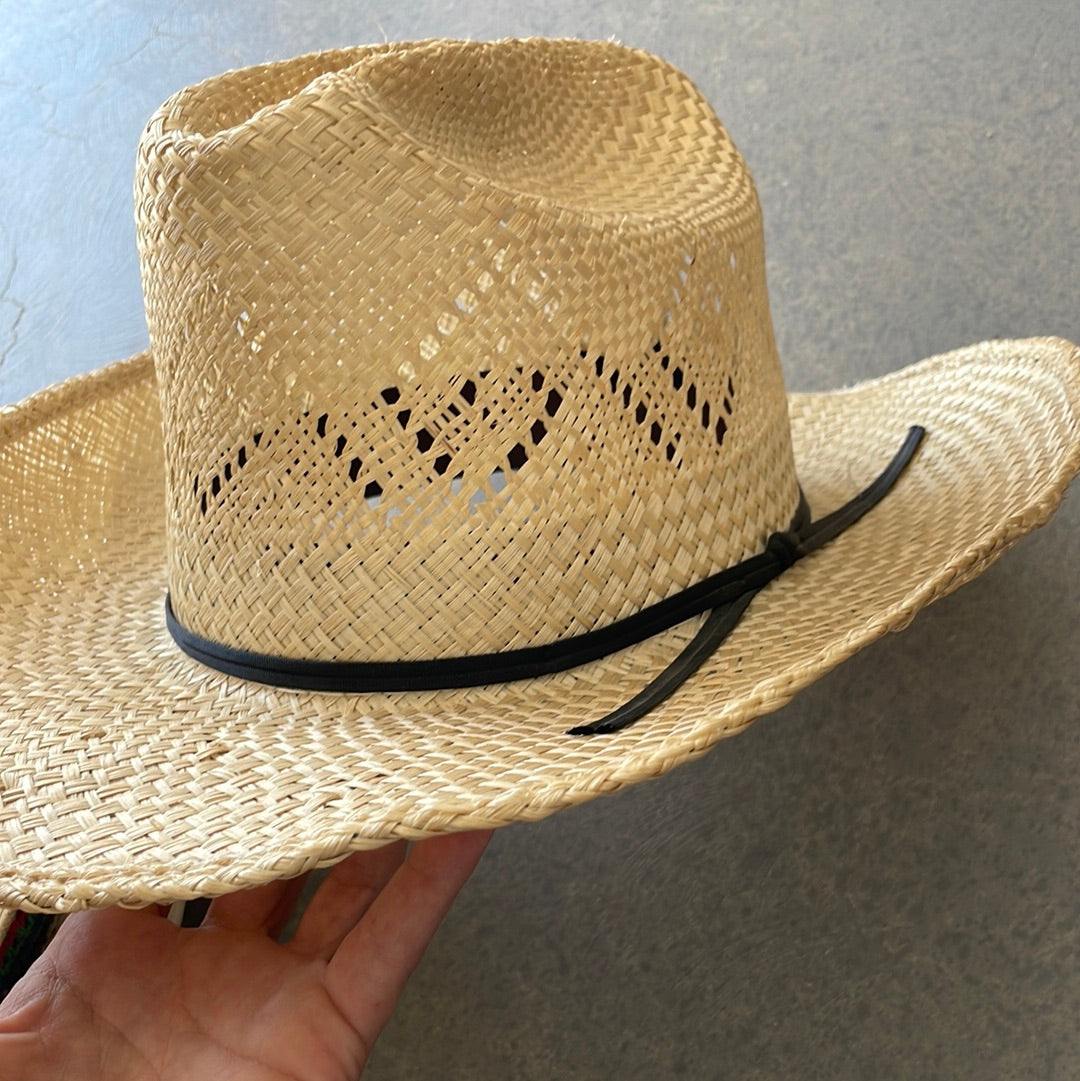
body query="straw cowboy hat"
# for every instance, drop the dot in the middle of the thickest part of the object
(459, 484)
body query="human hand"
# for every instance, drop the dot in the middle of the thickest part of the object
(129, 996)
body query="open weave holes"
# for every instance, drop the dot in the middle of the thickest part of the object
(462, 347)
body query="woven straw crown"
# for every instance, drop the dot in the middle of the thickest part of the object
(461, 347)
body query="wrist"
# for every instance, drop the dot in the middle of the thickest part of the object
(22, 1057)
(23, 1052)
(36, 1039)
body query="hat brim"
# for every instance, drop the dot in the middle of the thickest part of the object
(132, 774)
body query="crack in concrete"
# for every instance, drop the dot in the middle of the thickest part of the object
(20, 309)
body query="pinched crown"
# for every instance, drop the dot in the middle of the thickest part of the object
(461, 347)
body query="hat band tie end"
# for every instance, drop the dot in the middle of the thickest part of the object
(786, 549)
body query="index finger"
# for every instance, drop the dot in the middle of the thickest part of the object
(367, 974)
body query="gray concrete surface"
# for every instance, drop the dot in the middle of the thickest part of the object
(881, 881)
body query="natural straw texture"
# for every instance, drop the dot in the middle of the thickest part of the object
(132, 774)
(436, 271)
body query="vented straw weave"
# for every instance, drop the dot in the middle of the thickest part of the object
(463, 347)
(132, 774)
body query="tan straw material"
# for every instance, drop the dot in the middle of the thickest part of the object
(456, 348)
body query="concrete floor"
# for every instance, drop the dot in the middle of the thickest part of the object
(882, 880)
